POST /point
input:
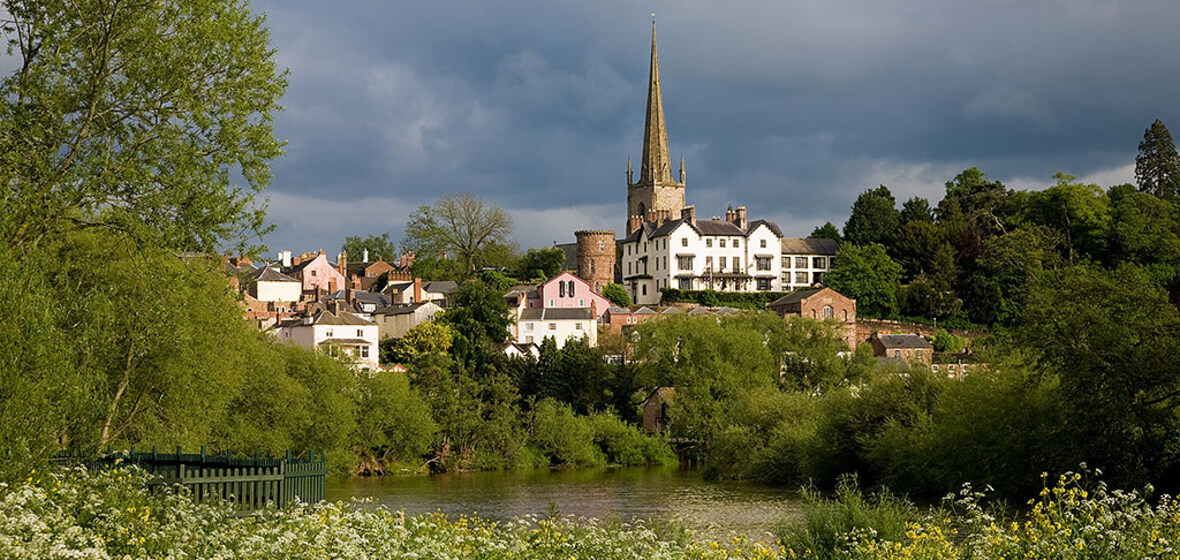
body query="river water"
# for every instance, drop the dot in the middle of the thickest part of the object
(713, 510)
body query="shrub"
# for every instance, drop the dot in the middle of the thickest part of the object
(827, 521)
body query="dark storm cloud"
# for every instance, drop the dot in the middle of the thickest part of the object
(791, 108)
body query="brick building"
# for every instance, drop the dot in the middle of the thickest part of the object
(909, 347)
(822, 304)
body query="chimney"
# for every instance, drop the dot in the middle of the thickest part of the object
(740, 217)
(295, 261)
(730, 215)
(245, 261)
(417, 290)
(633, 224)
(410, 259)
(365, 257)
(689, 214)
(332, 286)
(342, 263)
(285, 258)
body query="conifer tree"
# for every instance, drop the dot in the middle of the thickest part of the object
(1157, 167)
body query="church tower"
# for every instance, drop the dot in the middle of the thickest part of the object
(655, 191)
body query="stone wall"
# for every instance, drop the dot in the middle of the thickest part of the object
(596, 257)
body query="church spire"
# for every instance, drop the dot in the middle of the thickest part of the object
(655, 166)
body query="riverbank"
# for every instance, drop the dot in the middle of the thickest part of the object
(109, 515)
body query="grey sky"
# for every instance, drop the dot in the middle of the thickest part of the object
(791, 108)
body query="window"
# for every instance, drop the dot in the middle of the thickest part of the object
(736, 243)
(800, 262)
(581, 303)
(561, 286)
(845, 312)
(360, 333)
(685, 283)
(828, 313)
(764, 284)
(786, 262)
(364, 351)
(329, 334)
(817, 277)
(814, 315)
(601, 245)
(684, 242)
(720, 263)
(628, 268)
(528, 327)
(721, 243)
(550, 302)
(763, 263)
(800, 277)
(645, 289)
(818, 262)
(737, 264)
(762, 244)
(552, 326)
(918, 354)
(897, 353)
(578, 326)
(628, 249)
(708, 263)
(708, 243)
(528, 339)
(592, 267)
(570, 289)
(684, 262)
(313, 274)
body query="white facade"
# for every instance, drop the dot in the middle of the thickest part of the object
(562, 325)
(805, 261)
(279, 291)
(701, 255)
(345, 333)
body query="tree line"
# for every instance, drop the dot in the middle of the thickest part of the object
(971, 257)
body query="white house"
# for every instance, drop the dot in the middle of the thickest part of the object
(270, 285)
(806, 260)
(534, 325)
(335, 333)
(396, 320)
(689, 254)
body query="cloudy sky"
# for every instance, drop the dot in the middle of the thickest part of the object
(790, 107)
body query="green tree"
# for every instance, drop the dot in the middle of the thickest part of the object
(393, 424)
(874, 218)
(1143, 228)
(616, 294)
(868, 275)
(378, 246)
(1079, 213)
(134, 117)
(1157, 167)
(826, 231)
(478, 320)
(541, 264)
(1110, 340)
(463, 227)
(425, 338)
(916, 209)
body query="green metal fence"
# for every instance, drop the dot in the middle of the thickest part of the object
(247, 482)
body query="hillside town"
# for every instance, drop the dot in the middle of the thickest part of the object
(346, 307)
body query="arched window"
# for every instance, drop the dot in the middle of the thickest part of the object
(601, 245)
(592, 267)
(642, 211)
(828, 314)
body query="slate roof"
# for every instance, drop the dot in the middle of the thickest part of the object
(718, 227)
(809, 246)
(402, 309)
(557, 314)
(645, 310)
(796, 296)
(571, 255)
(440, 286)
(266, 274)
(904, 341)
(343, 318)
(346, 341)
(773, 227)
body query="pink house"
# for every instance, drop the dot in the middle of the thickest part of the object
(316, 273)
(566, 291)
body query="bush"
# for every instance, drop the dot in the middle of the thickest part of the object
(826, 521)
(623, 443)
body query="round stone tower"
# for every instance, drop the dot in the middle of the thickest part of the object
(596, 257)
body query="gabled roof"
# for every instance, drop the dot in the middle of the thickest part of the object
(809, 246)
(903, 341)
(645, 310)
(718, 227)
(266, 274)
(796, 296)
(662, 394)
(616, 310)
(671, 311)
(699, 311)
(557, 314)
(773, 227)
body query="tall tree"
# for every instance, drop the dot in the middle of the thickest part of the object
(874, 218)
(1157, 167)
(541, 263)
(135, 116)
(376, 245)
(462, 226)
(866, 274)
(916, 209)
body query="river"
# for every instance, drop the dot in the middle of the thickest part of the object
(713, 510)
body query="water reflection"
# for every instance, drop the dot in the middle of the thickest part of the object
(713, 510)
